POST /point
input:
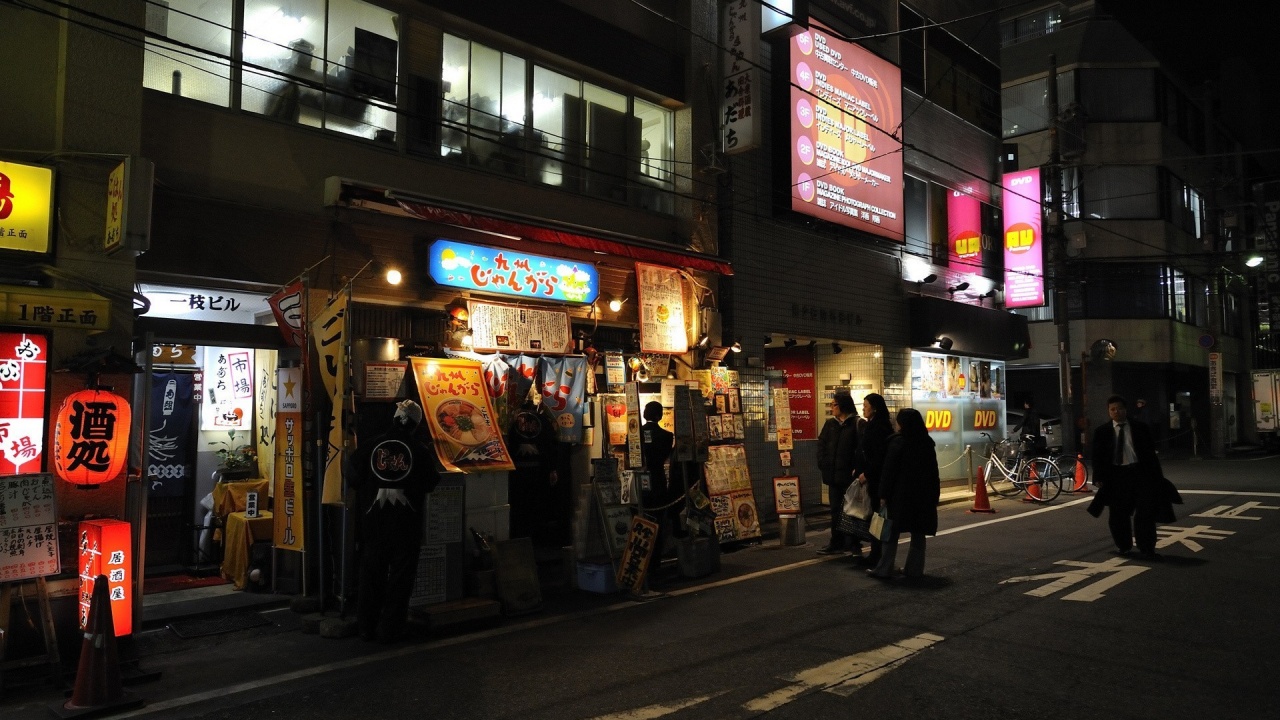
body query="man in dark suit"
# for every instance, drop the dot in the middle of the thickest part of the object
(1128, 474)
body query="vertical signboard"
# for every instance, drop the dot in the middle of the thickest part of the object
(28, 528)
(228, 389)
(1023, 240)
(964, 232)
(104, 550)
(1215, 378)
(846, 163)
(740, 38)
(23, 387)
(288, 534)
(798, 366)
(661, 299)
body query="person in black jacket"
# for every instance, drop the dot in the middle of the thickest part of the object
(656, 445)
(872, 446)
(909, 490)
(837, 449)
(1128, 474)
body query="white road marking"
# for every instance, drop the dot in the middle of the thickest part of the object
(1226, 512)
(845, 675)
(1116, 567)
(1188, 536)
(659, 710)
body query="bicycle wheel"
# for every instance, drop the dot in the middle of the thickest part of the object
(1042, 479)
(1000, 482)
(1069, 465)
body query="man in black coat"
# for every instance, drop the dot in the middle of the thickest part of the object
(1129, 477)
(837, 449)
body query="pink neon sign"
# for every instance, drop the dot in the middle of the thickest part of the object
(1023, 240)
(964, 231)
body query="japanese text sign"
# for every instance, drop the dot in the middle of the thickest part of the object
(53, 308)
(105, 550)
(26, 207)
(23, 388)
(510, 272)
(288, 534)
(1023, 246)
(740, 99)
(661, 291)
(228, 389)
(635, 557)
(28, 528)
(458, 410)
(964, 231)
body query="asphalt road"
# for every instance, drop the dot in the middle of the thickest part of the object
(1023, 614)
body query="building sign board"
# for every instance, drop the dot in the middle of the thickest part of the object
(1023, 240)
(26, 207)
(511, 272)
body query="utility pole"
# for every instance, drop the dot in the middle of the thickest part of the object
(1055, 240)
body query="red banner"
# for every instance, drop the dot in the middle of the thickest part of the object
(287, 306)
(798, 366)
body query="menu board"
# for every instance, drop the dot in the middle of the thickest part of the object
(382, 380)
(28, 527)
(661, 299)
(729, 489)
(498, 327)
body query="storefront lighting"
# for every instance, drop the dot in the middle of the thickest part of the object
(957, 288)
(768, 340)
(1253, 261)
(813, 344)
(836, 349)
(944, 342)
(704, 341)
(876, 354)
(466, 339)
(789, 343)
(737, 346)
(393, 276)
(615, 305)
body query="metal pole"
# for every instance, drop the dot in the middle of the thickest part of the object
(1055, 240)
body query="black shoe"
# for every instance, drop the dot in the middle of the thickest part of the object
(871, 572)
(1122, 553)
(1152, 555)
(829, 550)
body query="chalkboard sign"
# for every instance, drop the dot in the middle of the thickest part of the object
(28, 527)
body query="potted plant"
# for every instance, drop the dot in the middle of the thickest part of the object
(235, 462)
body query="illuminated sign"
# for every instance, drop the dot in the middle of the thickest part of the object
(1023, 240)
(50, 308)
(227, 403)
(26, 207)
(964, 231)
(104, 550)
(188, 303)
(24, 372)
(114, 232)
(846, 167)
(937, 420)
(510, 272)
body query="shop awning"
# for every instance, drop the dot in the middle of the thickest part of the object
(643, 253)
(980, 331)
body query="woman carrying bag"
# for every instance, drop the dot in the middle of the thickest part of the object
(909, 491)
(873, 444)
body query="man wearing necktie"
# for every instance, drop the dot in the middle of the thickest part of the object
(1128, 474)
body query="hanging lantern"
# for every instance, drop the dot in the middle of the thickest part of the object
(91, 437)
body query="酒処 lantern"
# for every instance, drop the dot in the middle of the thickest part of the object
(91, 437)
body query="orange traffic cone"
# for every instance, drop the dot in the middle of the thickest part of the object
(981, 503)
(1082, 480)
(1033, 487)
(98, 686)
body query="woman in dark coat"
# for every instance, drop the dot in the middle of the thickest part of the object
(909, 490)
(872, 445)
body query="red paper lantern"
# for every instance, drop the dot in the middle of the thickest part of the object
(91, 437)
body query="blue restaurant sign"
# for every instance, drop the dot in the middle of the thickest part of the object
(510, 272)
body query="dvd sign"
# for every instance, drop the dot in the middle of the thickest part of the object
(984, 419)
(937, 420)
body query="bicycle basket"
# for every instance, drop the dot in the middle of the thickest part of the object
(1007, 451)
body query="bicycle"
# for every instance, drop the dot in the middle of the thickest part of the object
(1067, 464)
(1012, 469)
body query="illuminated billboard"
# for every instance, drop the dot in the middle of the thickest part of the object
(964, 231)
(846, 167)
(1023, 240)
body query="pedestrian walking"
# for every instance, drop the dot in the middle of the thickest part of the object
(1129, 478)
(909, 491)
(837, 447)
(873, 443)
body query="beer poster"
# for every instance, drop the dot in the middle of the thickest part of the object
(288, 487)
(460, 415)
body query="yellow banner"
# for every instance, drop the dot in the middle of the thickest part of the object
(26, 206)
(460, 415)
(328, 334)
(288, 488)
(50, 308)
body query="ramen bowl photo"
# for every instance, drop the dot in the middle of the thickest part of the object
(464, 423)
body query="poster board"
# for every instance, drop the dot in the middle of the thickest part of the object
(729, 488)
(28, 527)
(661, 299)
(499, 327)
(786, 495)
(382, 380)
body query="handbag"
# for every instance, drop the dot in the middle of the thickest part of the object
(881, 526)
(857, 502)
(859, 528)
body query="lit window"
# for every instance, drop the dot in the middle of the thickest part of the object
(178, 68)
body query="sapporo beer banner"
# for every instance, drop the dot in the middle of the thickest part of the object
(328, 334)
(288, 460)
(563, 384)
(460, 414)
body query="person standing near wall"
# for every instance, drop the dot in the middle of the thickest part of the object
(837, 449)
(872, 446)
(909, 490)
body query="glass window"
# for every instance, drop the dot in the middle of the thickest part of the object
(1026, 105)
(557, 125)
(361, 70)
(1121, 191)
(1118, 94)
(916, 215)
(204, 24)
(1177, 287)
(1126, 291)
(282, 49)
(1041, 22)
(483, 111)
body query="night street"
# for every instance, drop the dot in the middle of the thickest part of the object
(1024, 613)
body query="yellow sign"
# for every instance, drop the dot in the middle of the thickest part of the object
(26, 206)
(46, 308)
(115, 207)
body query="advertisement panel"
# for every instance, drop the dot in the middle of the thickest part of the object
(460, 415)
(26, 207)
(799, 367)
(24, 381)
(1023, 240)
(964, 232)
(511, 272)
(960, 398)
(846, 166)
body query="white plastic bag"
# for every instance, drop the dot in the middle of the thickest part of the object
(857, 503)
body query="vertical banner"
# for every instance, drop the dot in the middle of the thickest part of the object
(641, 538)
(287, 307)
(661, 299)
(782, 417)
(799, 367)
(1215, 378)
(635, 459)
(328, 334)
(23, 393)
(228, 389)
(1023, 240)
(460, 414)
(740, 38)
(288, 486)
(964, 232)
(169, 448)
(105, 550)
(563, 385)
(264, 361)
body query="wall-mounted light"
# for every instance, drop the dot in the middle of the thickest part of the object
(836, 349)
(985, 295)
(736, 346)
(957, 288)
(615, 305)
(926, 280)
(768, 340)
(943, 342)
(393, 276)
(1253, 261)
(789, 343)
(813, 344)
(704, 341)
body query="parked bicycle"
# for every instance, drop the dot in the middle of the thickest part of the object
(1013, 468)
(1067, 464)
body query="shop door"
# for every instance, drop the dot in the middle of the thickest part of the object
(170, 471)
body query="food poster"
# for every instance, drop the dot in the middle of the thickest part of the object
(563, 385)
(729, 488)
(518, 328)
(786, 495)
(460, 415)
(661, 299)
(23, 393)
(614, 406)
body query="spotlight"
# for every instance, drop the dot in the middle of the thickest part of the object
(943, 342)
(989, 293)
(836, 349)
(958, 288)
(789, 343)
(813, 344)
(768, 340)
(704, 340)
(615, 304)
(737, 346)
(928, 279)
(1253, 261)
(393, 276)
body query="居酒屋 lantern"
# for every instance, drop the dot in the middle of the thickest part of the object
(91, 437)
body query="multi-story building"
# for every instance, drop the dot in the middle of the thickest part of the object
(1152, 192)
